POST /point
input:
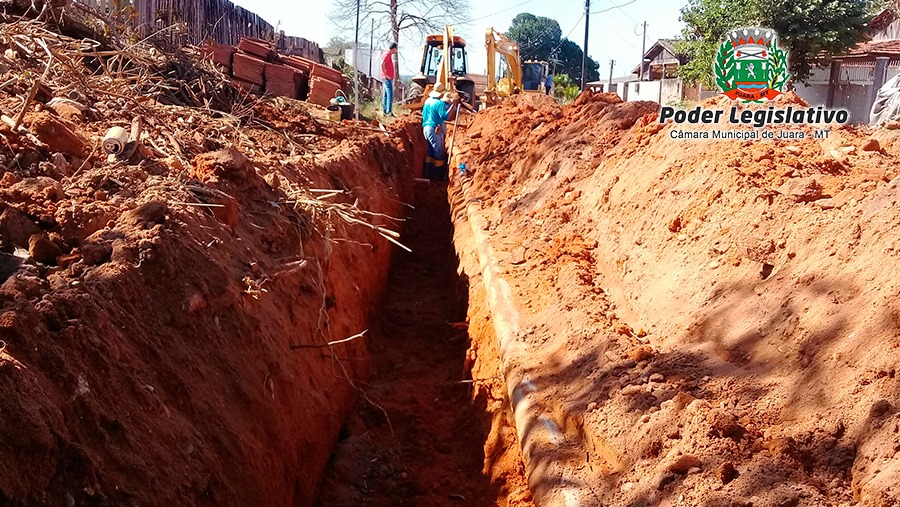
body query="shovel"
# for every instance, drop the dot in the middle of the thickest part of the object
(453, 139)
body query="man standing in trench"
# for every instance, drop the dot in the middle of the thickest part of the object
(435, 113)
(388, 75)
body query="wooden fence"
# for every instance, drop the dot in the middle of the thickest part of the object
(194, 21)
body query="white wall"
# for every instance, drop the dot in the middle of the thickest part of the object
(643, 90)
(363, 55)
(672, 91)
(665, 91)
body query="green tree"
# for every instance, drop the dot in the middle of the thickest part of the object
(812, 27)
(541, 38)
(537, 36)
(564, 90)
(706, 22)
(806, 29)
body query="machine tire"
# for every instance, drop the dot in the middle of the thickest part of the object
(415, 91)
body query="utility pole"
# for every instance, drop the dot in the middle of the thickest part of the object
(643, 50)
(587, 19)
(355, 76)
(371, 50)
(612, 63)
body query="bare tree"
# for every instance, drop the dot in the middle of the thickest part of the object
(416, 18)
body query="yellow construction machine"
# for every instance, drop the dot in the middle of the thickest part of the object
(516, 77)
(446, 64)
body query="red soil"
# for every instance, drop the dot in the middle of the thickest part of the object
(146, 351)
(425, 432)
(712, 321)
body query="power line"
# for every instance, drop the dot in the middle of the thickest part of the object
(567, 35)
(537, 40)
(469, 21)
(620, 37)
(615, 7)
(623, 11)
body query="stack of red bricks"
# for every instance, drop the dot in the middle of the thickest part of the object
(283, 80)
(249, 64)
(256, 67)
(258, 48)
(324, 83)
(303, 66)
(219, 54)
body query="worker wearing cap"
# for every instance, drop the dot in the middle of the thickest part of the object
(388, 74)
(435, 113)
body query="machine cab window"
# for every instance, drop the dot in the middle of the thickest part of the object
(432, 60)
(459, 61)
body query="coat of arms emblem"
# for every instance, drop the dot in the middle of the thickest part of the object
(750, 66)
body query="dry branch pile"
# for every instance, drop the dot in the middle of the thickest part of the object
(59, 95)
(137, 71)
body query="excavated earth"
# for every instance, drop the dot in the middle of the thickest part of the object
(705, 323)
(223, 314)
(164, 319)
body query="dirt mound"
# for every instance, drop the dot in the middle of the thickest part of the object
(575, 137)
(586, 97)
(165, 315)
(715, 315)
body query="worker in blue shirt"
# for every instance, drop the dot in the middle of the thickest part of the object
(435, 113)
(549, 83)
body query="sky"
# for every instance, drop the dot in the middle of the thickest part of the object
(614, 33)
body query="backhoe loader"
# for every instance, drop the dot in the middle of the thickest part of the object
(446, 64)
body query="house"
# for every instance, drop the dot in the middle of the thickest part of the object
(851, 80)
(660, 62)
(656, 77)
(615, 85)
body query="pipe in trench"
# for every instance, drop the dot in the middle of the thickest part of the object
(539, 435)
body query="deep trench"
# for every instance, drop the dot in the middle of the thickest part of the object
(415, 436)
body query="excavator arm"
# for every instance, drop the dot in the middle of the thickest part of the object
(444, 70)
(497, 43)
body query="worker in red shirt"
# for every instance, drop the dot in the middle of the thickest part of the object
(388, 75)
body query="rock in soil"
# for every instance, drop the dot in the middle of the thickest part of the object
(36, 190)
(727, 473)
(59, 136)
(640, 353)
(41, 249)
(15, 228)
(871, 145)
(683, 464)
(880, 408)
(229, 164)
(801, 189)
(96, 253)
